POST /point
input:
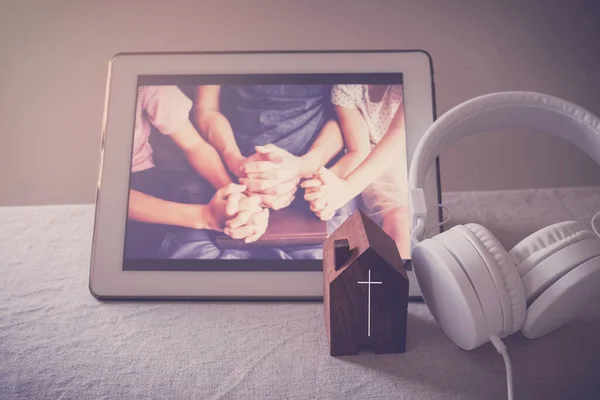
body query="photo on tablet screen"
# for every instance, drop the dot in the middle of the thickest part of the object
(261, 167)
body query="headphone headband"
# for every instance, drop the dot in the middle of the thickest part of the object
(526, 110)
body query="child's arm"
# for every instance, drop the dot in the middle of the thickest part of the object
(383, 155)
(333, 192)
(356, 138)
(215, 128)
(328, 143)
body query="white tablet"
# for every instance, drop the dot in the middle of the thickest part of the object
(223, 173)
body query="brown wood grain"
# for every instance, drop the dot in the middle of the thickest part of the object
(346, 301)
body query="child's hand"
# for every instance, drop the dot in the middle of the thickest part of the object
(326, 193)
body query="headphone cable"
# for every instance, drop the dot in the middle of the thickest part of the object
(420, 228)
(439, 224)
(592, 223)
(501, 348)
(494, 339)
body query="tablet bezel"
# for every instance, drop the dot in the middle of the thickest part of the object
(108, 280)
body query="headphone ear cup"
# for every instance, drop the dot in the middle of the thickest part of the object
(548, 254)
(560, 269)
(507, 279)
(449, 295)
(474, 266)
(564, 300)
(547, 272)
(545, 242)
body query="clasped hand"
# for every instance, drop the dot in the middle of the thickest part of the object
(268, 180)
(326, 193)
(272, 174)
(236, 214)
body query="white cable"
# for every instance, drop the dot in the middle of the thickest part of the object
(443, 207)
(420, 227)
(593, 227)
(416, 232)
(501, 348)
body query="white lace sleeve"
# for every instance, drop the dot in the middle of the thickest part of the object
(397, 94)
(345, 95)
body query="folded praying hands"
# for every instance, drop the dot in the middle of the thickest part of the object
(326, 193)
(236, 214)
(272, 174)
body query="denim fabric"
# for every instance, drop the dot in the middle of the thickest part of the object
(289, 116)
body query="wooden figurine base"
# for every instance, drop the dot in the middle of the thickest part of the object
(366, 289)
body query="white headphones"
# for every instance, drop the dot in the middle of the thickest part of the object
(476, 290)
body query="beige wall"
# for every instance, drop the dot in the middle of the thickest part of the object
(54, 58)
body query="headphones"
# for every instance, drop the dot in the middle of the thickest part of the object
(475, 289)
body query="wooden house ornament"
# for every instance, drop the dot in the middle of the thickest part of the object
(366, 289)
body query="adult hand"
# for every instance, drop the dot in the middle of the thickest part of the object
(236, 163)
(326, 193)
(248, 225)
(274, 164)
(223, 206)
(274, 174)
(236, 214)
(274, 195)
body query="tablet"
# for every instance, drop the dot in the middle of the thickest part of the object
(222, 173)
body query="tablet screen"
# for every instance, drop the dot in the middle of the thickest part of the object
(254, 172)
